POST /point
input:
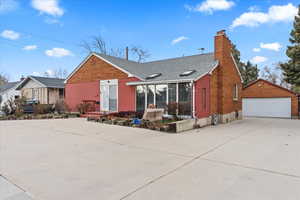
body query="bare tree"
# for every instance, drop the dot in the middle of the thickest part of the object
(3, 79)
(60, 73)
(140, 53)
(98, 44)
(274, 75)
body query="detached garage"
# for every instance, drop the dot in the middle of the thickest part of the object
(265, 99)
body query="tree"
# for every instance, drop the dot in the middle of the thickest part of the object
(3, 79)
(248, 71)
(291, 69)
(98, 44)
(270, 75)
(140, 53)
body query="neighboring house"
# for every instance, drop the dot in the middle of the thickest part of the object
(42, 89)
(262, 98)
(203, 85)
(8, 92)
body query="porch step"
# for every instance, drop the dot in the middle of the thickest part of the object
(91, 115)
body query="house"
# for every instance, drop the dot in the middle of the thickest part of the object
(8, 92)
(262, 98)
(42, 89)
(203, 85)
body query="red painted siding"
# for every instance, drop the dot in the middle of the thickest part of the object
(126, 95)
(78, 92)
(202, 109)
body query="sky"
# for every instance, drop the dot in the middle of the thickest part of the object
(45, 35)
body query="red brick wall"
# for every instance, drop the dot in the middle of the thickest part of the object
(85, 85)
(202, 111)
(264, 89)
(227, 76)
(95, 69)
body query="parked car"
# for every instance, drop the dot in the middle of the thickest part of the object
(28, 107)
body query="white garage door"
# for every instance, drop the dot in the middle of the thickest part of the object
(267, 107)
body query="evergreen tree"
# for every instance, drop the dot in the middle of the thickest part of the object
(291, 69)
(248, 71)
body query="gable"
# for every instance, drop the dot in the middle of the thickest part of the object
(32, 84)
(265, 89)
(94, 69)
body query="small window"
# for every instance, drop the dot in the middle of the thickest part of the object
(204, 99)
(235, 92)
(152, 76)
(187, 73)
(61, 93)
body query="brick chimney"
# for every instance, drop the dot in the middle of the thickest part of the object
(223, 47)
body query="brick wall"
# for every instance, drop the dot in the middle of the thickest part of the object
(264, 89)
(96, 69)
(225, 77)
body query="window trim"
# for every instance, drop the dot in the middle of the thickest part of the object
(235, 92)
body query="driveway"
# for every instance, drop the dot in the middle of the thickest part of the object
(80, 160)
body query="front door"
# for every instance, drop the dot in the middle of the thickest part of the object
(109, 95)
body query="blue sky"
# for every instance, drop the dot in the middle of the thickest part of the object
(44, 35)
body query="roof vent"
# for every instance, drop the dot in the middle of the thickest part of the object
(152, 76)
(187, 73)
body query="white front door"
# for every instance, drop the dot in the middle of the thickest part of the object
(109, 95)
(267, 107)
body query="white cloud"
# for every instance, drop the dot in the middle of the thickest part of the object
(256, 49)
(30, 47)
(50, 72)
(36, 74)
(179, 39)
(209, 6)
(275, 14)
(258, 59)
(271, 46)
(50, 7)
(58, 52)
(9, 34)
(8, 5)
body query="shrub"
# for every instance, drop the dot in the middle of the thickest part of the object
(61, 107)
(42, 109)
(83, 108)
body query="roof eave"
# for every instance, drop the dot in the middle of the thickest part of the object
(158, 82)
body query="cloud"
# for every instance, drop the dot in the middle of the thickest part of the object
(58, 52)
(256, 49)
(50, 7)
(271, 46)
(11, 35)
(36, 74)
(30, 47)
(179, 39)
(258, 59)
(275, 14)
(210, 6)
(8, 5)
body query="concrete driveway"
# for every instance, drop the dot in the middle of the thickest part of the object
(79, 160)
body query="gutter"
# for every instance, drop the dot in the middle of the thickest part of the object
(158, 82)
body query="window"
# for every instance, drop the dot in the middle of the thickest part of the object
(185, 98)
(113, 98)
(235, 92)
(187, 73)
(172, 88)
(61, 93)
(140, 98)
(204, 99)
(152, 76)
(150, 95)
(161, 96)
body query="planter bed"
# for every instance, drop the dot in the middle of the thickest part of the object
(38, 116)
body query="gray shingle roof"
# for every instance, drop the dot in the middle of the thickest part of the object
(8, 86)
(45, 81)
(170, 69)
(50, 82)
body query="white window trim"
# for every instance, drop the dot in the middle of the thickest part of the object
(236, 92)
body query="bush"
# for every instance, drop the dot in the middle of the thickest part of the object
(61, 107)
(83, 108)
(42, 109)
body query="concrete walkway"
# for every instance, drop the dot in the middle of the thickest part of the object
(74, 159)
(9, 191)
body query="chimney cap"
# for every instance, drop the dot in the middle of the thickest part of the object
(221, 32)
